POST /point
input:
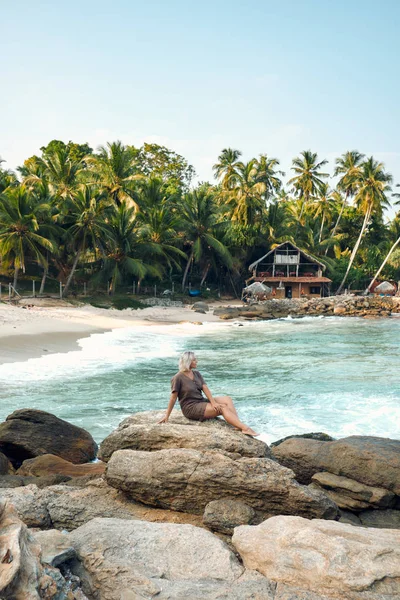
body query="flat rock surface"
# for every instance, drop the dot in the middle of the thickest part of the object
(142, 432)
(324, 557)
(373, 461)
(27, 433)
(187, 480)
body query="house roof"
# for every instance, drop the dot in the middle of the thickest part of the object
(293, 279)
(312, 258)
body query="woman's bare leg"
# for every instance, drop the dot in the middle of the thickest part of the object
(226, 401)
(230, 417)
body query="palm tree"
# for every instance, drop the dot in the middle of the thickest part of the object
(373, 185)
(125, 252)
(57, 169)
(199, 219)
(7, 177)
(395, 227)
(86, 221)
(114, 169)
(267, 173)
(246, 197)
(20, 235)
(226, 167)
(324, 205)
(349, 166)
(308, 178)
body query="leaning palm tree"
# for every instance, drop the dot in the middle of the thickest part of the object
(225, 168)
(349, 167)
(371, 198)
(199, 222)
(114, 170)
(20, 234)
(308, 178)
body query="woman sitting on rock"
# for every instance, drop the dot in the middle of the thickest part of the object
(188, 385)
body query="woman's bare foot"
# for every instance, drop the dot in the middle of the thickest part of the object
(249, 431)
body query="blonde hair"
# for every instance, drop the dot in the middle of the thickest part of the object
(186, 360)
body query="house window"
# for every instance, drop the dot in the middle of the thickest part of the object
(315, 289)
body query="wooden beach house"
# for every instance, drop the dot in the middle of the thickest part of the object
(291, 273)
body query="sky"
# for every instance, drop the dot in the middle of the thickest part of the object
(263, 77)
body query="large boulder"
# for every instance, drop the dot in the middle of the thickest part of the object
(48, 464)
(129, 560)
(55, 546)
(142, 432)
(325, 557)
(29, 505)
(352, 495)
(374, 461)
(28, 433)
(187, 480)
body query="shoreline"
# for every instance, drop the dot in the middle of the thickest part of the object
(43, 330)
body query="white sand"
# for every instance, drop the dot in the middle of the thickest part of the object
(31, 332)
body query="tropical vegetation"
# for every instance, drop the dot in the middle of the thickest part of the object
(123, 216)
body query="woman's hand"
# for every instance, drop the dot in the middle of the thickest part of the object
(163, 420)
(217, 407)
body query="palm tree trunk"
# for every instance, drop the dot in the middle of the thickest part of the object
(16, 271)
(394, 246)
(187, 270)
(70, 276)
(355, 249)
(339, 218)
(42, 284)
(205, 274)
(322, 227)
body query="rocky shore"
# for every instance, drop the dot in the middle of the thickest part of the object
(190, 510)
(343, 306)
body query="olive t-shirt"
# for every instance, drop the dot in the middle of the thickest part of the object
(187, 389)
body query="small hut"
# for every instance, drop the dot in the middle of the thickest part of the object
(385, 289)
(256, 291)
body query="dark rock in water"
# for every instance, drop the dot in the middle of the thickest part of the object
(187, 480)
(371, 460)
(28, 433)
(226, 514)
(383, 519)
(322, 437)
(6, 467)
(142, 432)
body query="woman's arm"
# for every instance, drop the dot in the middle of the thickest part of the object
(217, 407)
(171, 405)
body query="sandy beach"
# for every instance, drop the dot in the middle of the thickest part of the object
(50, 327)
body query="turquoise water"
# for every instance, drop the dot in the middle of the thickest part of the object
(289, 376)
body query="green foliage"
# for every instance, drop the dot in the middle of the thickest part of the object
(124, 214)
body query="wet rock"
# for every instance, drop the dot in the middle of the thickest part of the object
(142, 432)
(351, 495)
(227, 313)
(187, 480)
(28, 433)
(201, 306)
(373, 461)
(322, 437)
(384, 519)
(48, 464)
(226, 514)
(323, 557)
(118, 556)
